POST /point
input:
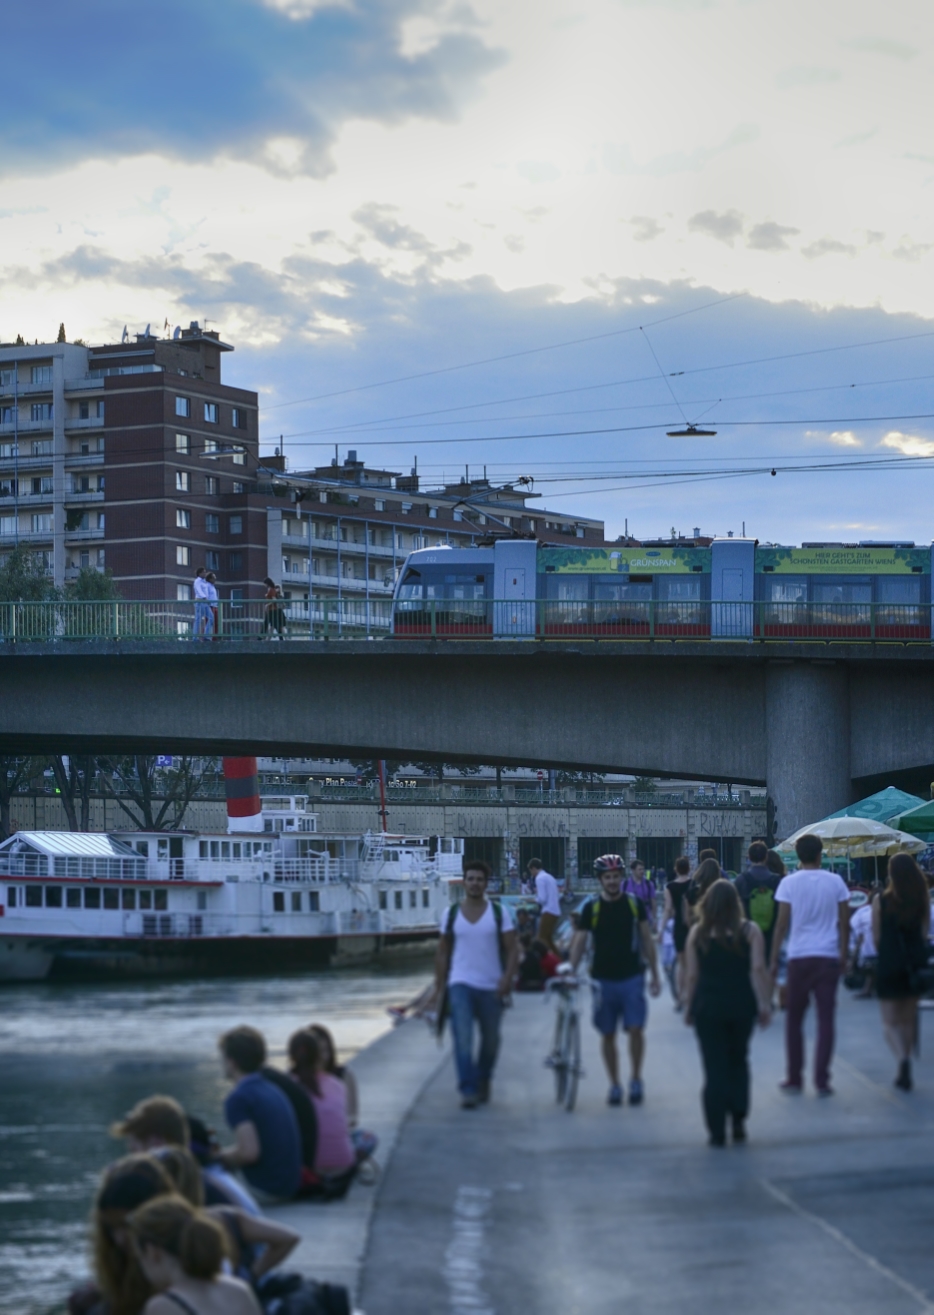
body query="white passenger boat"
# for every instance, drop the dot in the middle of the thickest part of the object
(276, 899)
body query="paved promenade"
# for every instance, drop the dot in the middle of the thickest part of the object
(521, 1207)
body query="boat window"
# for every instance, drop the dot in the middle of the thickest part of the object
(160, 900)
(202, 849)
(413, 899)
(398, 899)
(202, 899)
(296, 901)
(145, 899)
(426, 899)
(215, 849)
(92, 898)
(129, 899)
(225, 849)
(33, 897)
(235, 849)
(278, 901)
(142, 847)
(11, 896)
(383, 899)
(53, 897)
(111, 898)
(73, 897)
(314, 901)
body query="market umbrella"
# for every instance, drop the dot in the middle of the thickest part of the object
(883, 806)
(917, 821)
(856, 837)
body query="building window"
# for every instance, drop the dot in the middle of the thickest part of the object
(182, 593)
(236, 525)
(379, 504)
(212, 523)
(40, 411)
(182, 555)
(183, 406)
(210, 445)
(210, 412)
(42, 524)
(84, 559)
(235, 562)
(238, 418)
(182, 483)
(41, 374)
(100, 559)
(100, 521)
(433, 513)
(212, 560)
(239, 458)
(182, 518)
(211, 485)
(237, 486)
(406, 508)
(182, 443)
(278, 901)
(42, 484)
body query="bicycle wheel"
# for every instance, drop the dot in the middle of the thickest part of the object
(559, 1054)
(572, 1050)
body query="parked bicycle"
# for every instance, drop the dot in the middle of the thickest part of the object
(565, 1057)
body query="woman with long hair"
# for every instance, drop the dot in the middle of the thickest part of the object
(702, 878)
(335, 1152)
(118, 1279)
(336, 1070)
(727, 989)
(901, 922)
(181, 1251)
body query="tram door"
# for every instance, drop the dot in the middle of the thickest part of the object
(515, 589)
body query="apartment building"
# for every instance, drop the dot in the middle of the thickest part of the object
(133, 457)
(347, 528)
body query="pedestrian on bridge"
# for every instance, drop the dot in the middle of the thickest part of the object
(813, 912)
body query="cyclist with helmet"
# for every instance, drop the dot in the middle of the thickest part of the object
(623, 947)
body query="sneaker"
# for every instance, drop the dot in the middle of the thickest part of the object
(483, 1095)
(791, 1088)
(469, 1102)
(739, 1130)
(825, 1091)
(903, 1081)
(616, 1095)
(636, 1093)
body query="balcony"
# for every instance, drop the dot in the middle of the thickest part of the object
(75, 422)
(88, 495)
(348, 585)
(73, 537)
(83, 459)
(26, 389)
(26, 426)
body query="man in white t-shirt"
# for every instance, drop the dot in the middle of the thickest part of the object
(814, 904)
(548, 894)
(477, 961)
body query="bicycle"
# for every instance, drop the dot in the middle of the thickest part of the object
(565, 1057)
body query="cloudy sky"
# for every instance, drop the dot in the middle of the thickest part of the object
(531, 235)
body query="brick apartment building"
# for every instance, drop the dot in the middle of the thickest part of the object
(136, 457)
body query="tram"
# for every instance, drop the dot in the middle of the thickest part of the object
(725, 588)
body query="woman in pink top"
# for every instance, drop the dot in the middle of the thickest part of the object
(335, 1153)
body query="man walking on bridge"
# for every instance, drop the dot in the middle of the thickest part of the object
(476, 965)
(623, 946)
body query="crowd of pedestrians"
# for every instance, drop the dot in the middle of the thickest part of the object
(178, 1222)
(738, 948)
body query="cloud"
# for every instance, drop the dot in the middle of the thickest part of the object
(883, 46)
(908, 444)
(855, 139)
(724, 227)
(515, 243)
(827, 246)
(770, 237)
(538, 171)
(806, 77)
(911, 251)
(241, 79)
(845, 438)
(618, 159)
(645, 229)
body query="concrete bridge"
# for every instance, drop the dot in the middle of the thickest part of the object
(814, 723)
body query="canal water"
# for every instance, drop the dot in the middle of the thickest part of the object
(73, 1059)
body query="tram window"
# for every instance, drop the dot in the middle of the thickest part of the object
(111, 898)
(73, 897)
(128, 899)
(898, 589)
(612, 589)
(278, 901)
(858, 590)
(787, 589)
(145, 899)
(568, 588)
(53, 897)
(92, 899)
(160, 900)
(411, 586)
(679, 588)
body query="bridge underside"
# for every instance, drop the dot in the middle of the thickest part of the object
(806, 721)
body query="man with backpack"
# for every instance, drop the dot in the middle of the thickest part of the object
(474, 971)
(756, 887)
(623, 946)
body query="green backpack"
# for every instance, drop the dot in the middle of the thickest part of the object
(762, 908)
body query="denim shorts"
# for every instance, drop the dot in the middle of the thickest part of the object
(619, 1002)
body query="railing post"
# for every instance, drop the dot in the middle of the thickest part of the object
(434, 619)
(220, 618)
(13, 622)
(652, 618)
(326, 618)
(872, 622)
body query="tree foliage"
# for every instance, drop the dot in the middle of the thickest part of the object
(154, 798)
(75, 777)
(16, 770)
(24, 579)
(61, 333)
(93, 586)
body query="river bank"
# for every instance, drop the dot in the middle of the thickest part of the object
(75, 1059)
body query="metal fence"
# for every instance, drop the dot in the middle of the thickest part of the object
(541, 619)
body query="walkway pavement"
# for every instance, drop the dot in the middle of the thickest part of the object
(521, 1207)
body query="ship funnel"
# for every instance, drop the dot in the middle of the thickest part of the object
(241, 782)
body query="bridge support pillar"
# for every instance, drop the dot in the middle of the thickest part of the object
(807, 725)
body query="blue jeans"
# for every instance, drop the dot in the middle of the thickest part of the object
(466, 1004)
(204, 620)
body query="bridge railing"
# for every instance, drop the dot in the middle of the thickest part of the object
(186, 621)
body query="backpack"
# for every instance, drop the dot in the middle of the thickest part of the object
(762, 907)
(636, 940)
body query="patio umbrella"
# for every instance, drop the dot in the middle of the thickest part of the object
(856, 837)
(918, 821)
(883, 806)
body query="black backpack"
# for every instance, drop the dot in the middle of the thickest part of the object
(292, 1294)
